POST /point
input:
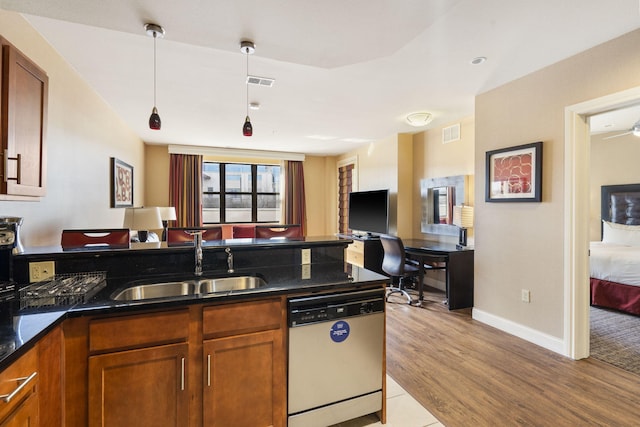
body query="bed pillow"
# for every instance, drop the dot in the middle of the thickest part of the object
(620, 234)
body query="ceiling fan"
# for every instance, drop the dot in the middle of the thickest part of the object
(635, 130)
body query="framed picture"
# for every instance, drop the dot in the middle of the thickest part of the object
(121, 184)
(514, 174)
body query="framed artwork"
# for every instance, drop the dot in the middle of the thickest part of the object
(514, 174)
(121, 184)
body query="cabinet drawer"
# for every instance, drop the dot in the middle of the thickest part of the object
(355, 258)
(139, 330)
(357, 246)
(16, 376)
(242, 318)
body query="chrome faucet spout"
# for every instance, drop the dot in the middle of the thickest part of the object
(197, 243)
(229, 260)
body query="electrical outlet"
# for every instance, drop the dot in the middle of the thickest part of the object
(526, 295)
(306, 272)
(43, 270)
(306, 256)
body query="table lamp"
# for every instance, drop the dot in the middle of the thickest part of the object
(142, 220)
(463, 218)
(167, 213)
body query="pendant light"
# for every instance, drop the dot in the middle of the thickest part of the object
(247, 47)
(154, 31)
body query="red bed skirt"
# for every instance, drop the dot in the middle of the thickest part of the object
(615, 295)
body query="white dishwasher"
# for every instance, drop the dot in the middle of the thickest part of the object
(335, 357)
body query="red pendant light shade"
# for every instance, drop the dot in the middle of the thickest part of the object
(247, 47)
(154, 31)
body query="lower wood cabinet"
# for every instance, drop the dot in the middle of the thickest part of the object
(25, 415)
(219, 365)
(243, 382)
(145, 387)
(19, 385)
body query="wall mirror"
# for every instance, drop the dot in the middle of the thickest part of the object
(438, 197)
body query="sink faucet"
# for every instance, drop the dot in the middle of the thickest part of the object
(197, 243)
(229, 260)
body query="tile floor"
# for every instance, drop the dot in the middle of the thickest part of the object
(402, 411)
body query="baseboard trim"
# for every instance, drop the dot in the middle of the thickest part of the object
(549, 342)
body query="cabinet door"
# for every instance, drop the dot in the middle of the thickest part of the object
(24, 122)
(26, 415)
(146, 387)
(245, 381)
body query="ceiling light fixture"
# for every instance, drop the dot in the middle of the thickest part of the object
(478, 60)
(247, 47)
(419, 119)
(154, 31)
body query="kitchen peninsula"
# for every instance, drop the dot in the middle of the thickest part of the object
(210, 358)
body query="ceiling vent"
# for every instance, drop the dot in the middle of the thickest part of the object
(451, 133)
(260, 81)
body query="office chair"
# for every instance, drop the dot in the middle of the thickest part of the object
(397, 266)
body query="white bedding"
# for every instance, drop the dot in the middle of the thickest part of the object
(616, 263)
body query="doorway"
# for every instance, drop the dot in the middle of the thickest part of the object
(576, 217)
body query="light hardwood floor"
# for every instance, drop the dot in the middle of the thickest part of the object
(469, 374)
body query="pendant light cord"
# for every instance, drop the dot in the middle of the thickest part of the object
(246, 81)
(154, 68)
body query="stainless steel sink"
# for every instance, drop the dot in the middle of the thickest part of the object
(226, 284)
(188, 287)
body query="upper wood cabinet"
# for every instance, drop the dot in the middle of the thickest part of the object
(23, 124)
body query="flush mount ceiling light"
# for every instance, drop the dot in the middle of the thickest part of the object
(154, 31)
(419, 119)
(247, 47)
(478, 60)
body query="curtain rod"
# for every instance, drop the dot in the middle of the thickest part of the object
(236, 152)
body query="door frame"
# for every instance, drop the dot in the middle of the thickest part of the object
(576, 216)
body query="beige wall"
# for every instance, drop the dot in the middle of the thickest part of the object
(433, 159)
(83, 133)
(157, 175)
(613, 162)
(377, 168)
(520, 245)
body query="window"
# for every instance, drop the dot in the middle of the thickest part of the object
(233, 193)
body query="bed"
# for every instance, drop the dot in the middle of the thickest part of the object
(615, 260)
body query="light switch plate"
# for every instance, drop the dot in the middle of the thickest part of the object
(306, 271)
(306, 256)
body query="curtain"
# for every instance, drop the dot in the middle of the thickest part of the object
(294, 200)
(345, 187)
(185, 189)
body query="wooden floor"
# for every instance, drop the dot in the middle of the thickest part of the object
(470, 374)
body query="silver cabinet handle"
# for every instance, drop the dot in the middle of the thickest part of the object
(18, 160)
(25, 380)
(182, 376)
(208, 370)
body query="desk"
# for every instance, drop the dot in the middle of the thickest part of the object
(458, 266)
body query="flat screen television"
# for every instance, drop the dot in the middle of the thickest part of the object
(369, 212)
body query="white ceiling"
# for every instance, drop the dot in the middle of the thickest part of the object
(345, 70)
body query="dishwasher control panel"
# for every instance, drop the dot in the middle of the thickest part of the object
(334, 306)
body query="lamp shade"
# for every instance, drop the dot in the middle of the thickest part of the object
(168, 213)
(142, 218)
(463, 216)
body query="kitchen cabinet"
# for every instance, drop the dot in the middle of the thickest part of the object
(211, 365)
(145, 387)
(23, 124)
(137, 370)
(245, 376)
(18, 384)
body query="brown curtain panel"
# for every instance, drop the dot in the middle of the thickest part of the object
(294, 201)
(185, 189)
(345, 179)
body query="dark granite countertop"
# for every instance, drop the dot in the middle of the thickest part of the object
(23, 328)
